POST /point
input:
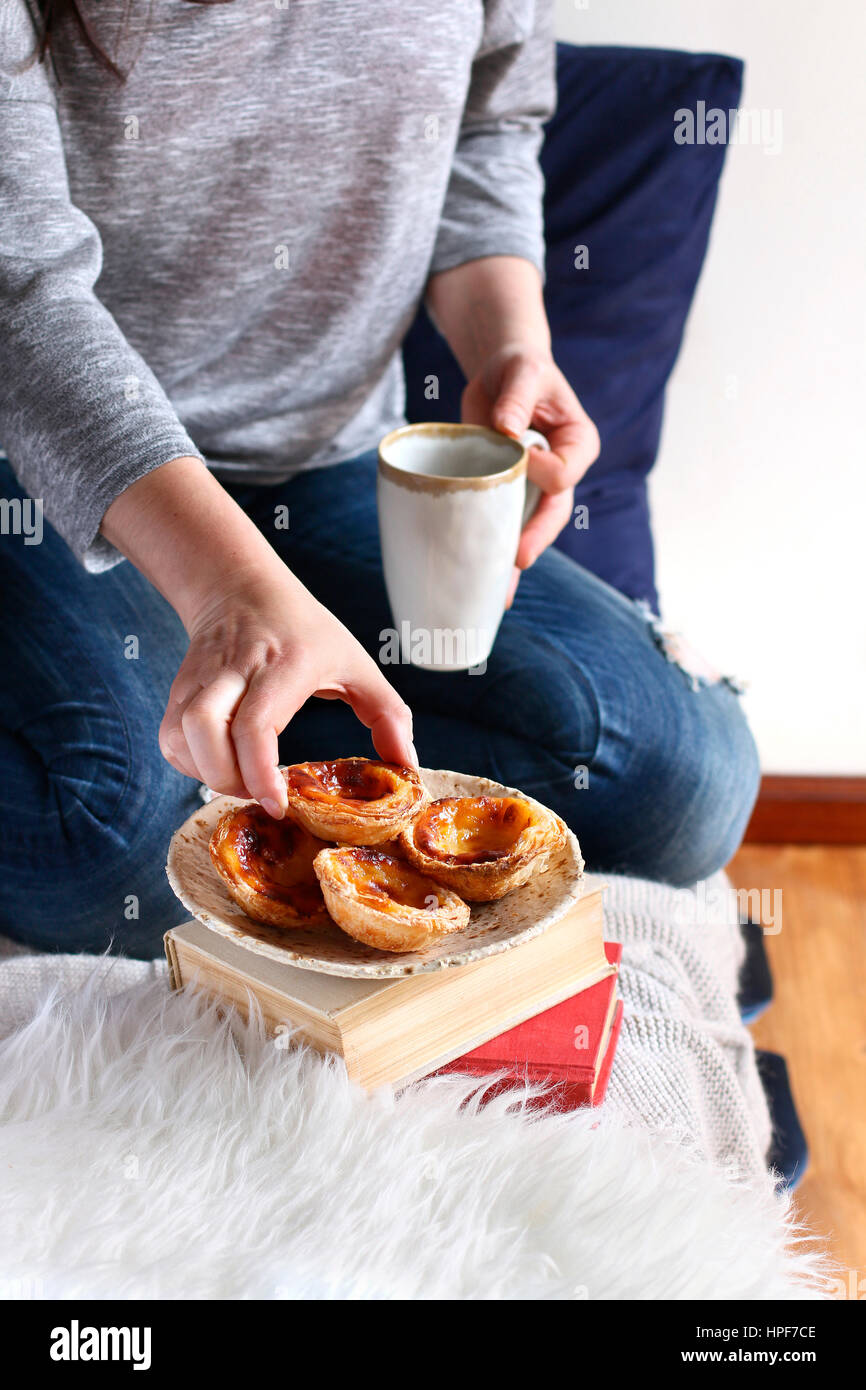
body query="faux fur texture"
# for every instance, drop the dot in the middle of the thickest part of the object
(147, 1152)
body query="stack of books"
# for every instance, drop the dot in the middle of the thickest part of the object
(544, 1010)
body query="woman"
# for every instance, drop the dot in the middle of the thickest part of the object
(218, 221)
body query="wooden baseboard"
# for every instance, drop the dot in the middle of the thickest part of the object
(809, 811)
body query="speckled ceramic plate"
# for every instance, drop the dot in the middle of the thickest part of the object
(493, 927)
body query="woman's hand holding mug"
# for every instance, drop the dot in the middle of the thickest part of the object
(517, 389)
(260, 644)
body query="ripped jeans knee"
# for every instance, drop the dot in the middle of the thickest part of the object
(679, 651)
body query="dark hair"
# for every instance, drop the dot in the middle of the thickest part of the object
(53, 10)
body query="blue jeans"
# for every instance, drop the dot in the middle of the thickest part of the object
(578, 706)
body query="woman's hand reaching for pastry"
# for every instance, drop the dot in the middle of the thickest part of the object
(260, 643)
(255, 656)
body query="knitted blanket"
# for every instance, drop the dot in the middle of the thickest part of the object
(685, 1061)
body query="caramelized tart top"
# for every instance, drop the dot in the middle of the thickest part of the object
(273, 858)
(382, 881)
(354, 783)
(344, 779)
(472, 830)
(356, 801)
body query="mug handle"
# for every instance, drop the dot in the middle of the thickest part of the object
(532, 438)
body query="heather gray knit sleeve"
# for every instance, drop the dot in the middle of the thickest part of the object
(493, 203)
(81, 414)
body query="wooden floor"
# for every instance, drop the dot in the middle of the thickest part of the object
(818, 1022)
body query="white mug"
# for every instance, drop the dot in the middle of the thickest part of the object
(452, 502)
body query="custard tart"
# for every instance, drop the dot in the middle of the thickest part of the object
(267, 867)
(383, 901)
(356, 801)
(482, 846)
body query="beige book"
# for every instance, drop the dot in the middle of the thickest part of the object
(392, 1031)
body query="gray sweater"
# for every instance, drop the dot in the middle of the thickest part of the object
(221, 256)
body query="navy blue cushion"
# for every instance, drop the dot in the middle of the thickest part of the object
(619, 184)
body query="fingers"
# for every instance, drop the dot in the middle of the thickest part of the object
(517, 396)
(533, 392)
(274, 695)
(392, 739)
(172, 745)
(206, 722)
(195, 732)
(257, 748)
(378, 706)
(172, 740)
(475, 404)
(226, 735)
(223, 729)
(550, 516)
(524, 390)
(576, 442)
(550, 470)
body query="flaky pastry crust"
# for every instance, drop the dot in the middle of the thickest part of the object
(267, 867)
(482, 847)
(355, 801)
(383, 901)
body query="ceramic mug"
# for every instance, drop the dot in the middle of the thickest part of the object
(452, 501)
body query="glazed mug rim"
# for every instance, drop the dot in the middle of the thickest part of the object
(419, 481)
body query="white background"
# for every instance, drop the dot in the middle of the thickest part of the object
(759, 494)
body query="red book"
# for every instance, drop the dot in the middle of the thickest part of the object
(569, 1047)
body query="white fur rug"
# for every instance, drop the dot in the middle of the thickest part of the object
(144, 1153)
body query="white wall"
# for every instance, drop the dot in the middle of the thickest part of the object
(759, 495)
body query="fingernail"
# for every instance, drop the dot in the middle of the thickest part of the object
(413, 756)
(510, 424)
(273, 808)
